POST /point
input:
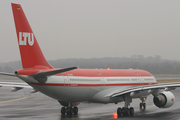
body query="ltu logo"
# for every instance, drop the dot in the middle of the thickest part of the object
(25, 38)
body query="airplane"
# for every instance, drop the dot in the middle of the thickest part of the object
(71, 86)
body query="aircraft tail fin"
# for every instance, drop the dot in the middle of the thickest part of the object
(31, 54)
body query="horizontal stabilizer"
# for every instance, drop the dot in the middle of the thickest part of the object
(54, 72)
(41, 77)
(14, 89)
(8, 74)
(15, 85)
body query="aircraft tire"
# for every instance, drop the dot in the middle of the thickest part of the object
(131, 111)
(75, 110)
(144, 105)
(63, 110)
(140, 105)
(119, 111)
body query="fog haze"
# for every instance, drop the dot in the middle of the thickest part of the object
(155, 65)
(95, 28)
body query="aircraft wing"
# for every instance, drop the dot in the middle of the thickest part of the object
(16, 86)
(149, 88)
(167, 78)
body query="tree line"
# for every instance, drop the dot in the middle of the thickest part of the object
(155, 65)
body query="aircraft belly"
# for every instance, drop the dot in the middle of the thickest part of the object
(66, 93)
(101, 97)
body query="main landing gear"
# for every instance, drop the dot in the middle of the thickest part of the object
(68, 109)
(142, 105)
(125, 111)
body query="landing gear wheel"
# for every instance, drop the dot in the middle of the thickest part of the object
(131, 111)
(140, 105)
(63, 110)
(125, 111)
(144, 105)
(119, 111)
(75, 110)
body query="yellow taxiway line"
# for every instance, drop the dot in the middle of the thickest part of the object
(15, 99)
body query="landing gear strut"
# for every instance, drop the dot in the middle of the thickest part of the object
(69, 110)
(142, 105)
(125, 111)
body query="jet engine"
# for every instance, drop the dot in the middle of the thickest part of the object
(164, 99)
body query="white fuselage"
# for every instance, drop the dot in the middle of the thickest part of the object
(89, 89)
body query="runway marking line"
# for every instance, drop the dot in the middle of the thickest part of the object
(16, 99)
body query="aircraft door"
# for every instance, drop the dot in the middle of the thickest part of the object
(102, 80)
(140, 79)
(66, 79)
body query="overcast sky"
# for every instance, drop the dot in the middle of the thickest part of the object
(95, 28)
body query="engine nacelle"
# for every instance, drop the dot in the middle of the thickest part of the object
(164, 100)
